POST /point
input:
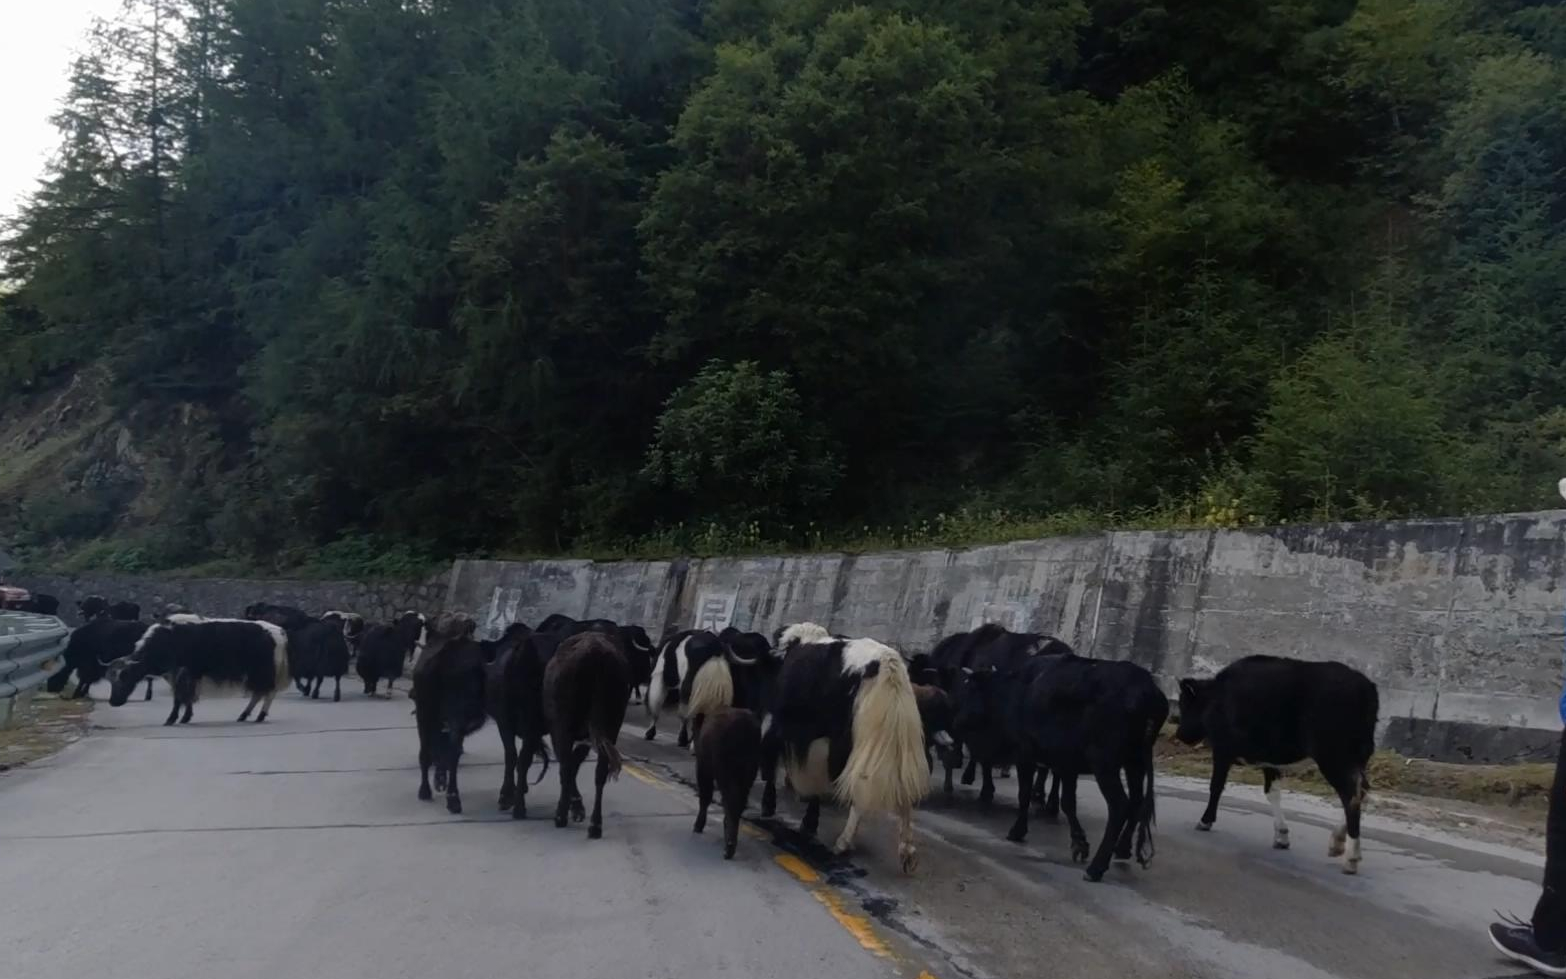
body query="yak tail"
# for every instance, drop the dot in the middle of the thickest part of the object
(543, 754)
(279, 659)
(1148, 817)
(886, 769)
(603, 728)
(712, 689)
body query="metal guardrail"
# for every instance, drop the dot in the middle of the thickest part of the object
(29, 645)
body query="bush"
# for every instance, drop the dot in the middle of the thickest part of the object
(735, 445)
(1353, 431)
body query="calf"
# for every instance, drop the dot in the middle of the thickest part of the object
(448, 703)
(385, 648)
(193, 651)
(1271, 711)
(89, 650)
(586, 686)
(1076, 714)
(728, 756)
(845, 722)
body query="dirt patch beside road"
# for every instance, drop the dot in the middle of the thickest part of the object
(41, 727)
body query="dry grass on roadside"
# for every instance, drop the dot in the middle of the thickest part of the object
(41, 727)
(1521, 786)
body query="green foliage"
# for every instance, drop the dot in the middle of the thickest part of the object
(1354, 431)
(660, 277)
(736, 443)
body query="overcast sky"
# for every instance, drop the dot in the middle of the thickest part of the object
(36, 45)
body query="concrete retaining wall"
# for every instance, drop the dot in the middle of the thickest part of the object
(1458, 621)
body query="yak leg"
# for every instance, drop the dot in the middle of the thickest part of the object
(1280, 827)
(845, 841)
(244, 715)
(907, 855)
(1221, 766)
(595, 823)
(1115, 800)
(1019, 828)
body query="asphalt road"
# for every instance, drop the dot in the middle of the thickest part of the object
(298, 848)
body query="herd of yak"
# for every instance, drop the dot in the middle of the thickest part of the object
(846, 719)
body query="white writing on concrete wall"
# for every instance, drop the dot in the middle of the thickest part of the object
(502, 612)
(714, 610)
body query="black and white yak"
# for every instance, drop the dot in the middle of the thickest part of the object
(1075, 714)
(728, 758)
(448, 703)
(91, 648)
(670, 668)
(1270, 711)
(845, 723)
(385, 648)
(587, 684)
(193, 652)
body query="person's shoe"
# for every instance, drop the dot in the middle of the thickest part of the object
(1516, 943)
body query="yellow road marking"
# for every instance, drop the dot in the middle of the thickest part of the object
(857, 925)
(798, 868)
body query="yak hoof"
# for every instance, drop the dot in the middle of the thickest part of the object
(454, 804)
(506, 801)
(170, 722)
(683, 741)
(1280, 843)
(907, 857)
(1080, 851)
(560, 821)
(520, 812)
(578, 811)
(728, 851)
(1123, 854)
(1351, 867)
(1204, 827)
(1092, 876)
(1017, 835)
(595, 832)
(425, 794)
(260, 717)
(185, 719)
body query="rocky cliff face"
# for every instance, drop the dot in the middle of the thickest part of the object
(73, 466)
